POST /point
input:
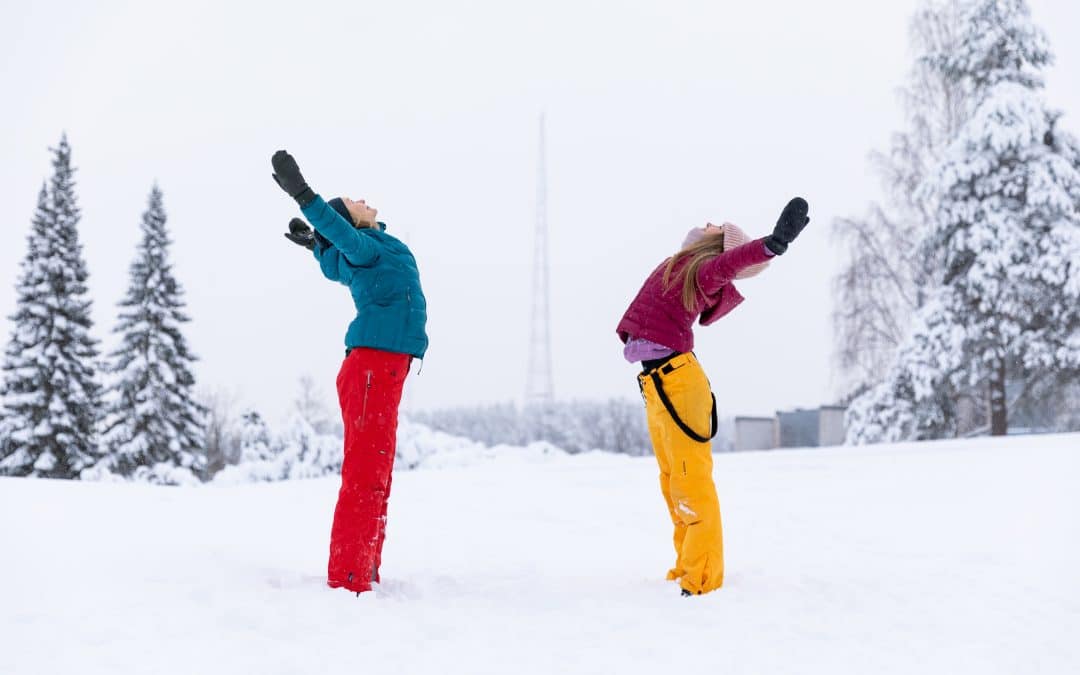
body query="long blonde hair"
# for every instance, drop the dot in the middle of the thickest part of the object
(698, 253)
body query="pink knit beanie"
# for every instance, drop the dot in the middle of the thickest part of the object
(734, 237)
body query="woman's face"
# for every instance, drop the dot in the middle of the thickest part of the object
(698, 233)
(361, 213)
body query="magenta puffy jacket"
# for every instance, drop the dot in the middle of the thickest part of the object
(661, 318)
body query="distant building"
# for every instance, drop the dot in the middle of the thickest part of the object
(797, 429)
(791, 429)
(811, 428)
(831, 427)
(755, 433)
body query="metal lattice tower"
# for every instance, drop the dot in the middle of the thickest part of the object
(538, 386)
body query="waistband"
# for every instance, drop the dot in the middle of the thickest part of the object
(653, 364)
(350, 350)
(666, 364)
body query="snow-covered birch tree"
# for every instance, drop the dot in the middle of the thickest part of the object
(882, 282)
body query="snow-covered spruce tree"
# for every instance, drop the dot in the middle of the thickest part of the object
(913, 402)
(154, 425)
(1003, 242)
(51, 397)
(255, 442)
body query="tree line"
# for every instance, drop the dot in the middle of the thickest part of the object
(615, 425)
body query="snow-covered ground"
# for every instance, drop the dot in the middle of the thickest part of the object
(952, 557)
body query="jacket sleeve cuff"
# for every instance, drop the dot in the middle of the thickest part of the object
(306, 196)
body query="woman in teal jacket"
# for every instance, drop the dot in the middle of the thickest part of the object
(353, 249)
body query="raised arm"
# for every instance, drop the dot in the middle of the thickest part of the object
(356, 248)
(328, 257)
(330, 261)
(719, 271)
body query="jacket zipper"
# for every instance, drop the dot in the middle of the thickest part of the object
(408, 297)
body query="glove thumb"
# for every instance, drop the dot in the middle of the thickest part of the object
(298, 226)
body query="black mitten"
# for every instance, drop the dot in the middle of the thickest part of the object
(288, 177)
(300, 233)
(791, 223)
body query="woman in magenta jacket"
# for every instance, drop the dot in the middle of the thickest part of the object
(695, 284)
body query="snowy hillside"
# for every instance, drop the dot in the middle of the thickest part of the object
(951, 557)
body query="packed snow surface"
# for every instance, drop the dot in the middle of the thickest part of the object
(950, 557)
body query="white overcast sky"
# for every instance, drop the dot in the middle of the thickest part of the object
(660, 116)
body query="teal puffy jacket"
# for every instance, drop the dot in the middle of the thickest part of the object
(382, 276)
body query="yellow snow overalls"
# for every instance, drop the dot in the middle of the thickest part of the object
(686, 468)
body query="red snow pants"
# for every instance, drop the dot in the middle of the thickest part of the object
(369, 389)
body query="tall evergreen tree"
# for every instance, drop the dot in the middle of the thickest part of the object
(1004, 240)
(153, 417)
(51, 397)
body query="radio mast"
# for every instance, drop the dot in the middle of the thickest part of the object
(538, 385)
